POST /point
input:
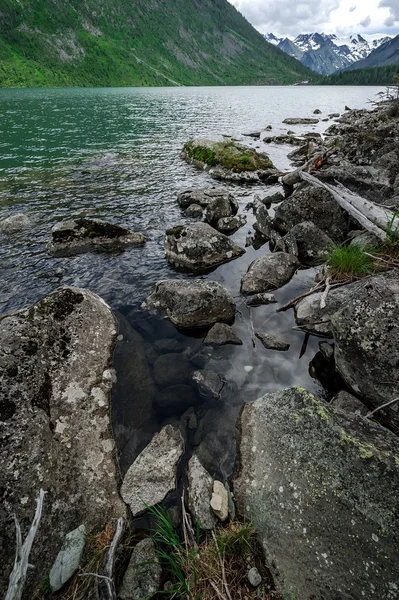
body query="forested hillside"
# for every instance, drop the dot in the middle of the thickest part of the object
(140, 42)
(369, 76)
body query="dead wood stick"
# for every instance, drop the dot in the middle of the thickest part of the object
(370, 414)
(323, 299)
(291, 303)
(106, 584)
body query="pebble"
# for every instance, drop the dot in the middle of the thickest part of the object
(254, 577)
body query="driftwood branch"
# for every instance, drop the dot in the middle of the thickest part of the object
(106, 584)
(370, 414)
(18, 574)
(373, 218)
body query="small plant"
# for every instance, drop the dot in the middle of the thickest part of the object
(349, 261)
(288, 595)
(235, 540)
(392, 230)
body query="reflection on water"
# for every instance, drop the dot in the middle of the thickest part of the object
(114, 154)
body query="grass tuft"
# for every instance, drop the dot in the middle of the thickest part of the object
(349, 261)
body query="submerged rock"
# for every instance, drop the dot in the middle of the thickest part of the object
(261, 299)
(272, 342)
(15, 223)
(191, 303)
(269, 272)
(366, 333)
(142, 578)
(171, 368)
(55, 434)
(300, 121)
(198, 247)
(209, 384)
(313, 474)
(200, 486)
(221, 334)
(77, 236)
(176, 399)
(153, 474)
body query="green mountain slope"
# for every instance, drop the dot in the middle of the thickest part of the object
(136, 42)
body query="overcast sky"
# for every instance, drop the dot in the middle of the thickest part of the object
(291, 17)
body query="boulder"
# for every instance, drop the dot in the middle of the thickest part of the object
(231, 224)
(142, 578)
(313, 474)
(348, 403)
(261, 299)
(317, 321)
(78, 236)
(315, 205)
(208, 383)
(269, 272)
(191, 303)
(272, 342)
(200, 486)
(308, 242)
(221, 334)
(15, 223)
(153, 474)
(55, 389)
(221, 208)
(366, 333)
(317, 111)
(300, 121)
(220, 501)
(229, 160)
(366, 240)
(171, 368)
(198, 247)
(203, 196)
(195, 211)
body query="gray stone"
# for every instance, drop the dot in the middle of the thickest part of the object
(208, 383)
(170, 369)
(68, 559)
(200, 486)
(231, 224)
(194, 210)
(366, 241)
(15, 223)
(300, 121)
(191, 303)
(153, 474)
(220, 208)
(142, 578)
(221, 334)
(269, 272)
(199, 247)
(366, 333)
(202, 196)
(77, 236)
(327, 351)
(314, 474)
(308, 242)
(220, 501)
(348, 403)
(315, 205)
(55, 434)
(271, 342)
(261, 299)
(254, 577)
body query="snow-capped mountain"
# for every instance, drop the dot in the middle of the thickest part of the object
(327, 53)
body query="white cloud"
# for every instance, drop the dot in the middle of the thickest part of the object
(291, 17)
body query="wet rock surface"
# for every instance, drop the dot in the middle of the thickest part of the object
(272, 342)
(269, 272)
(15, 223)
(209, 384)
(153, 474)
(311, 473)
(77, 236)
(191, 303)
(55, 358)
(199, 247)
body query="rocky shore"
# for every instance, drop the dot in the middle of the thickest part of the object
(314, 492)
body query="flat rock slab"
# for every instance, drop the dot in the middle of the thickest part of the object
(271, 342)
(69, 558)
(312, 474)
(153, 474)
(300, 121)
(198, 247)
(78, 236)
(269, 272)
(191, 303)
(142, 578)
(221, 334)
(200, 486)
(55, 359)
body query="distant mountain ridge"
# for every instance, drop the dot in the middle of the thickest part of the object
(136, 42)
(326, 53)
(386, 54)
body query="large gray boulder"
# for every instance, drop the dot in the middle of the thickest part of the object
(153, 474)
(15, 223)
(311, 482)
(308, 242)
(77, 236)
(315, 205)
(191, 303)
(142, 578)
(221, 208)
(269, 272)
(366, 333)
(198, 247)
(55, 359)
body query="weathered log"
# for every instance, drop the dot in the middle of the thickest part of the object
(373, 218)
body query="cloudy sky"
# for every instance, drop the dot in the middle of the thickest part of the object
(291, 17)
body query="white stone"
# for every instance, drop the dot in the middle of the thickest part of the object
(220, 501)
(68, 559)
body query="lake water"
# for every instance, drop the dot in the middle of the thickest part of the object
(114, 154)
